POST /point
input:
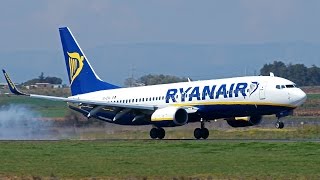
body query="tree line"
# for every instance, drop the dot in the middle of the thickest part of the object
(298, 73)
(43, 79)
(152, 79)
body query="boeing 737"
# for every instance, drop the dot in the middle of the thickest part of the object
(241, 101)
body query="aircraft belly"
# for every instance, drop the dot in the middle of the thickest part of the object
(208, 112)
(226, 111)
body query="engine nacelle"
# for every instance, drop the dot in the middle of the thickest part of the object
(244, 121)
(177, 115)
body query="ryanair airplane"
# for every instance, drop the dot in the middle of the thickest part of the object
(241, 101)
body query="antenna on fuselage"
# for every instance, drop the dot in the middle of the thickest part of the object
(271, 74)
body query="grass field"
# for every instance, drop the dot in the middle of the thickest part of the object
(313, 96)
(166, 159)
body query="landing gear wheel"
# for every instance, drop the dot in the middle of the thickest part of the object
(157, 133)
(161, 133)
(204, 133)
(197, 133)
(279, 125)
(201, 132)
(154, 133)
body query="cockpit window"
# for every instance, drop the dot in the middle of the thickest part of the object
(286, 86)
(290, 86)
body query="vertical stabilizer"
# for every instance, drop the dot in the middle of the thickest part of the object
(82, 77)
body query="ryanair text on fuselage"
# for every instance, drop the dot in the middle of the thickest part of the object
(212, 92)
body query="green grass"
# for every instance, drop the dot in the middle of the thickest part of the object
(313, 96)
(45, 108)
(167, 159)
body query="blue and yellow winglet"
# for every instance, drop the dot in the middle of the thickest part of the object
(11, 85)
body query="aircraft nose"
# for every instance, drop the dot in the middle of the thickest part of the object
(300, 97)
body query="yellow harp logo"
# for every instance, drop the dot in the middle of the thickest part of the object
(75, 65)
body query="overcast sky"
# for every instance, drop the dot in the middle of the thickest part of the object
(33, 25)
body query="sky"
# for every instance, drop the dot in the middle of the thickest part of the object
(33, 25)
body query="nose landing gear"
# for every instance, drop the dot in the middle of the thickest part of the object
(279, 124)
(201, 132)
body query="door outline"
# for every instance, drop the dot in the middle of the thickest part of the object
(262, 91)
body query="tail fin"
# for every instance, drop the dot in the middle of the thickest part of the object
(82, 77)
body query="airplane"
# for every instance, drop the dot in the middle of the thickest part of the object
(241, 101)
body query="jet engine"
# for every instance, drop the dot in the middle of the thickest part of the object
(177, 115)
(244, 121)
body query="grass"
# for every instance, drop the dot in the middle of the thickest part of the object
(313, 96)
(166, 159)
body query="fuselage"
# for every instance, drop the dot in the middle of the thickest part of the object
(221, 98)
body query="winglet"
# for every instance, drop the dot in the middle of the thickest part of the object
(11, 85)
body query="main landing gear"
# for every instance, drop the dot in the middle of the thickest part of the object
(157, 133)
(201, 132)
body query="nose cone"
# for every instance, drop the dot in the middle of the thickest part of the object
(298, 97)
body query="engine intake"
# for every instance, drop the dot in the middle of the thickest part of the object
(177, 115)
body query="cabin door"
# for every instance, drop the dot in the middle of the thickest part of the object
(262, 91)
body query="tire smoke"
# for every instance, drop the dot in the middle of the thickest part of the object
(18, 122)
